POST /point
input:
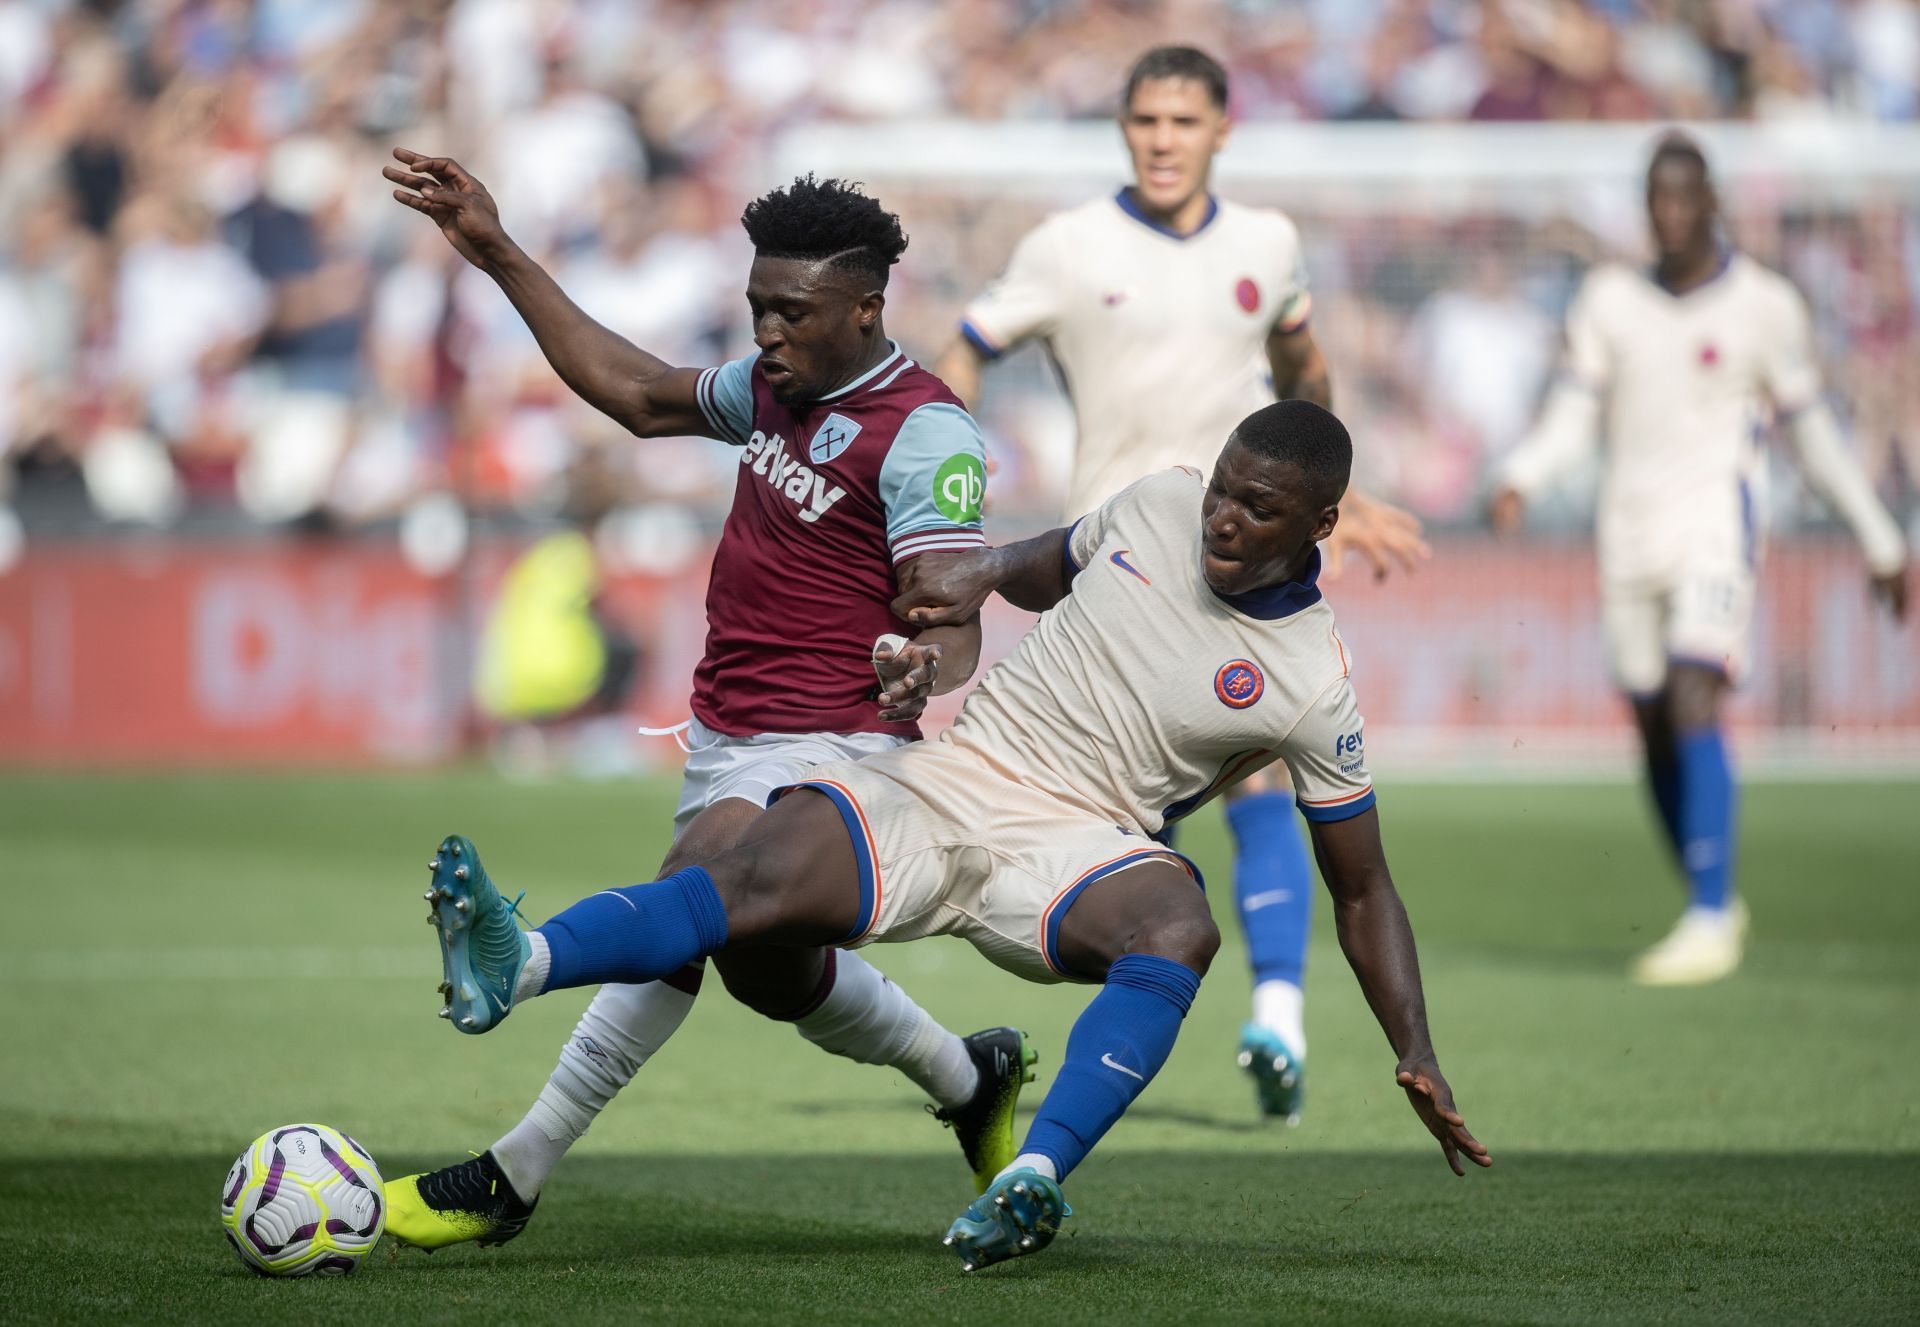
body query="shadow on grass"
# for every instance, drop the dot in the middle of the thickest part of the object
(1204, 1234)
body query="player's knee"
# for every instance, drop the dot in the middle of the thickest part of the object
(780, 985)
(1693, 698)
(1187, 936)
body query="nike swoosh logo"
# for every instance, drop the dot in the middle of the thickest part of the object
(1254, 902)
(1119, 559)
(1112, 1063)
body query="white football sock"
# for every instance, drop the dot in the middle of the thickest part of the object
(1281, 1007)
(1030, 1161)
(867, 1018)
(619, 1032)
(533, 973)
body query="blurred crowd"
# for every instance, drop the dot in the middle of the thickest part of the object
(211, 312)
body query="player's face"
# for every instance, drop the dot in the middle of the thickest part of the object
(811, 324)
(1173, 131)
(1680, 207)
(1259, 520)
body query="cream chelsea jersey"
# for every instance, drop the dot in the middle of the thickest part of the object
(1161, 338)
(1685, 385)
(1143, 693)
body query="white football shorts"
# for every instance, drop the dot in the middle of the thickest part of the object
(753, 768)
(1700, 616)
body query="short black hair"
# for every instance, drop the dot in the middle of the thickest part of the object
(826, 219)
(1178, 62)
(1678, 145)
(1301, 434)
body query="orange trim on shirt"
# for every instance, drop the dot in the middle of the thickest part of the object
(1339, 801)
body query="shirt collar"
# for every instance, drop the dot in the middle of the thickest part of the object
(1720, 270)
(890, 362)
(1283, 600)
(1125, 200)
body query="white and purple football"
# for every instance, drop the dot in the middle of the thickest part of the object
(303, 1200)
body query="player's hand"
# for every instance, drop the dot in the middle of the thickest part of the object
(946, 589)
(1506, 512)
(1379, 531)
(906, 677)
(1891, 589)
(459, 204)
(1432, 1101)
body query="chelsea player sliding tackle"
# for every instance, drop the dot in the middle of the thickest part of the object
(1183, 644)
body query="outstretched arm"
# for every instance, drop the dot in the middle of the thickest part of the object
(1838, 478)
(645, 394)
(1034, 574)
(959, 368)
(1299, 369)
(1378, 943)
(1569, 428)
(1383, 534)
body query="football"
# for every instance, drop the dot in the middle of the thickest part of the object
(303, 1200)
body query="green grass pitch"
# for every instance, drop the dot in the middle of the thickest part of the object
(191, 960)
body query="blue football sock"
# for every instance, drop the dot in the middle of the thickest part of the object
(1272, 884)
(1706, 817)
(1664, 777)
(1117, 1045)
(639, 933)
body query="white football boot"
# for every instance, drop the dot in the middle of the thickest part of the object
(1705, 946)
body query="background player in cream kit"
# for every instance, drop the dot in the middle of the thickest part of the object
(1171, 315)
(1681, 369)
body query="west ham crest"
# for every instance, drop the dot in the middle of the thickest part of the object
(835, 434)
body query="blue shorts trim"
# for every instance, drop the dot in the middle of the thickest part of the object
(1057, 910)
(1331, 815)
(863, 853)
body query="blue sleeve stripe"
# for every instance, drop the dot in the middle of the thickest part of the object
(979, 340)
(1338, 811)
(1069, 566)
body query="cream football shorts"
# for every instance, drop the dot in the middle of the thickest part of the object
(1702, 616)
(947, 846)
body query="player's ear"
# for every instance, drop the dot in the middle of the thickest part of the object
(1329, 517)
(866, 310)
(1222, 133)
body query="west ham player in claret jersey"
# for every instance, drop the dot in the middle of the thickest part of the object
(854, 460)
(1171, 314)
(1681, 366)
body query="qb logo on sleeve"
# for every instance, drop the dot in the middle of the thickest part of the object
(959, 486)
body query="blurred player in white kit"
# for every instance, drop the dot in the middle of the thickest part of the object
(1679, 368)
(1172, 314)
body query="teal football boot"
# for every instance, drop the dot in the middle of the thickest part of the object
(1017, 1215)
(1279, 1076)
(481, 949)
